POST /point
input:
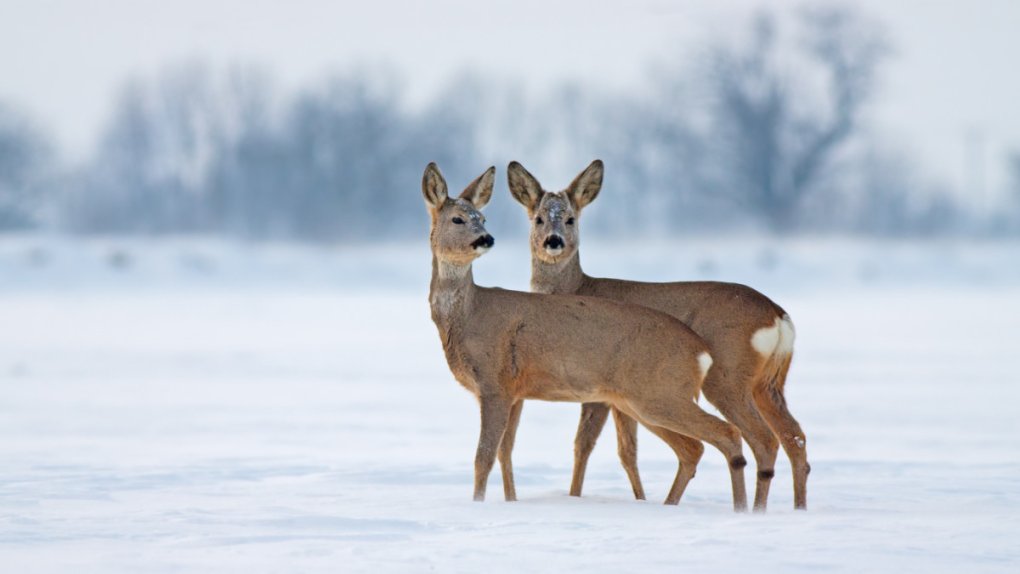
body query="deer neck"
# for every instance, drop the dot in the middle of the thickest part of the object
(564, 277)
(450, 293)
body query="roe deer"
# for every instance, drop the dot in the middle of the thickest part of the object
(749, 336)
(507, 346)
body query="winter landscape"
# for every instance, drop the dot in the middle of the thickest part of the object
(189, 411)
(216, 349)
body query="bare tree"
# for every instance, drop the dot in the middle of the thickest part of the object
(1012, 216)
(26, 161)
(149, 171)
(164, 162)
(775, 139)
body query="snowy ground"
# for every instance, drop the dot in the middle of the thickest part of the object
(195, 407)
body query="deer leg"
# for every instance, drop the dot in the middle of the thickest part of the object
(772, 406)
(506, 447)
(688, 453)
(626, 448)
(742, 412)
(765, 447)
(495, 414)
(593, 418)
(686, 418)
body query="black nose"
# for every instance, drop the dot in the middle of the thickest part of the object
(553, 242)
(483, 241)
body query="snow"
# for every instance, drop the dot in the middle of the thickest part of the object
(283, 409)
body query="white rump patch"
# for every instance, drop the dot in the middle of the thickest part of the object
(777, 339)
(705, 362)
(787, 335)
(766, 339)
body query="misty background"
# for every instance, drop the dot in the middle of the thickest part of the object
(216, 349)
(770, 128)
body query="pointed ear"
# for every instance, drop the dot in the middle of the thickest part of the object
(433, 186)
(479, 191)
(586, 186)
(523, 186)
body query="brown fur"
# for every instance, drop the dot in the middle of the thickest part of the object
(746, 387)
(507, 346)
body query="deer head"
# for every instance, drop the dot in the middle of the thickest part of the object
(554, 215)
(457, 233)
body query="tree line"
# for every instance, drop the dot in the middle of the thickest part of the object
(769, 133)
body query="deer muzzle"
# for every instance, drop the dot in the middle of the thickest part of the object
(553, 244)
(483, 243)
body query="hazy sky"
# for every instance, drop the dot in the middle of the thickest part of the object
(954, 79)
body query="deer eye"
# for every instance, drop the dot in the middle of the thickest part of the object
(538, 220)
(570, 221)
(458, 221)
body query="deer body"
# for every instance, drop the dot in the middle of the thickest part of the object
(749, 336)
(507, 346)
(528, 347)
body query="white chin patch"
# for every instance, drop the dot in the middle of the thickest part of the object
(554, 252)
(481, 250)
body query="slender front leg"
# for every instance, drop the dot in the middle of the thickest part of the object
(593, 418)
(495, 413)
(626, 447)
(506, 448)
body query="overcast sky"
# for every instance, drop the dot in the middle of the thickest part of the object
(954, 79)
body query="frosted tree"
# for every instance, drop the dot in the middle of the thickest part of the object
(152, 157)
(156, 166)
(776, 131)
(354, 152)
(1013, 189)
(26, 163)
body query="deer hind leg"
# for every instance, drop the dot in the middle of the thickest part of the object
(688, 453)
(684, 417)
(763, 444)
(772, 406)
(495, 415)
(739, 408)
(593, 418)
(506, 448)
(626, 447)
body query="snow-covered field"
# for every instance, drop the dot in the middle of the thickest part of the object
(185, 406)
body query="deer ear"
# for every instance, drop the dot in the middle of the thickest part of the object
(523, 186)
(433, 186)
(479, 191)
(586, 186)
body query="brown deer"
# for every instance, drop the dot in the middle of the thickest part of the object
(749, 336)
(507, 346)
